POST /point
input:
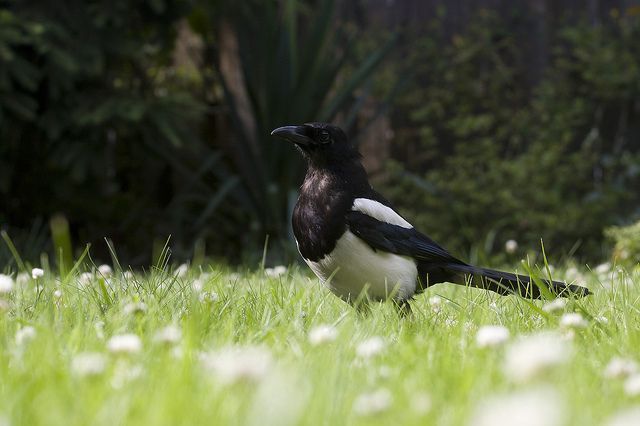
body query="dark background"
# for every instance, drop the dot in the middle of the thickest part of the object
(483, 121)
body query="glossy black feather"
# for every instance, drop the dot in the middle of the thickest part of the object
(318, 216)
(326, 196)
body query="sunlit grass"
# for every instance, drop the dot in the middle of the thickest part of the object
(222, 346)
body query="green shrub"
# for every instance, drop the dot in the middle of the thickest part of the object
(99, 120)
(94, 125)
(626, 241)
(486, 161)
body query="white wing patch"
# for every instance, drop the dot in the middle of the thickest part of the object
(379, 211)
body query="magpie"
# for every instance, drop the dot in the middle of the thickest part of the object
(357, 244)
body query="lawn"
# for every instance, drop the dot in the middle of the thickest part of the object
(212, 345)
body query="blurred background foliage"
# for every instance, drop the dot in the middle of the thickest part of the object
(485, 158)
(483, 123)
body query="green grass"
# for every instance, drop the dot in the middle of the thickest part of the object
(430, 370)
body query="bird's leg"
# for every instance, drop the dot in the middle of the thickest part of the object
(404, 308)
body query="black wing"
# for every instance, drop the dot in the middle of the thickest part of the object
(398, 240)
(436, 265)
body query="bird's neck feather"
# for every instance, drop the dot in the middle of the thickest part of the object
(349, 176)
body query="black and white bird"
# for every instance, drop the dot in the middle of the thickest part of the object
(354, 241)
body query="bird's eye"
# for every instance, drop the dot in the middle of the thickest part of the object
(324, 137)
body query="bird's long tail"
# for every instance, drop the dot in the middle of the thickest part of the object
(508, 283)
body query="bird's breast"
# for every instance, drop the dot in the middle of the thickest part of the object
(352, 266)
(319, 219)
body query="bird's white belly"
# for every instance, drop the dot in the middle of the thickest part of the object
(353, 266)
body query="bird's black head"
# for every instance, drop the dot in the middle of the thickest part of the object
(321, 143)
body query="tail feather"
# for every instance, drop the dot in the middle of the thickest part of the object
(508, 283)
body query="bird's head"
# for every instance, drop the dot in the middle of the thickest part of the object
(321, 143)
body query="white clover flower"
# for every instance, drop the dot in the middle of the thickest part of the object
(177, 352)
(276, 271)
(370, 347)
(451, 322)
(280, 399)
(534, 407)
(124, 344)
(238, 364)
(57, 294)
(128, 275)
(25, 335)
(436, 303)
(205, 276)
(322, 334)
(573, 320)
(125, 373)
(632, 385)
(197, 285)
(491, 336)
(385, 372)
(99, 327)
(181, 271)
(603, 268)
(511, 246)
(602, 319)
(88, 364)
(534, 354)
(169, 335)
(6, 284)
(376, 402)
(105, 270)
(208, 296)
(572, 273)
(37, 273)
(627, 417)
(85, 279)
(621, 277)
(620, 368)
(555, 305)
(23, 278)
(135, 308)
(421, 403)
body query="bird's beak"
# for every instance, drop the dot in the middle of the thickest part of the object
(295, 134)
